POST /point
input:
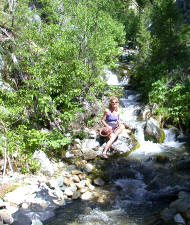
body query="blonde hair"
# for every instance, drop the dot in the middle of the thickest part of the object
(110, 103)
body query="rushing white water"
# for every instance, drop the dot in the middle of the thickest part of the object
(111, 78)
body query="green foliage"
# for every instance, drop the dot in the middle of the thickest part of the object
(60, 48)
(163, 56)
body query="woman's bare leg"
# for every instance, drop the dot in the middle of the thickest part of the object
(109, 143)
(113, 136)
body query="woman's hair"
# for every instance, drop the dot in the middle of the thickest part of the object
(110, 103)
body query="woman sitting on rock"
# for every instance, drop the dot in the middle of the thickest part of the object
(112, 124)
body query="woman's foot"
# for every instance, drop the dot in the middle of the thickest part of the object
(104, 156)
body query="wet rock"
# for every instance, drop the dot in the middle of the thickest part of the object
(36, 222)
(59, 194)
(87, 195)
(99, 182)
(183, 164)
(179, 219)
(167, 214)
(186, 214)
(153, 132)
(182, 203)
(183, 138)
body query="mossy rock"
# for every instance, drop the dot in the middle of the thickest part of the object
(162, 137)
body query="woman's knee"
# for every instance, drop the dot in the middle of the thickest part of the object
(113, 136)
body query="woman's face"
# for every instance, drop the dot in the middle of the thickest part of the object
(114, 103)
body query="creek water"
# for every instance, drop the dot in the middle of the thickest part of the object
(140, 185)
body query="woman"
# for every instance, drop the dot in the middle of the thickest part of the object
(111, 119)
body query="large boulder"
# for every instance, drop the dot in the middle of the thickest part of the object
(153, 132)
(124, 143)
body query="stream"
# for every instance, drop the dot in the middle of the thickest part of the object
(140, 185)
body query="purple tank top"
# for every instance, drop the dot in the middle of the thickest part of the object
(111, 118)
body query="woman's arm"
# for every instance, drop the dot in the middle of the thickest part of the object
(119, 121)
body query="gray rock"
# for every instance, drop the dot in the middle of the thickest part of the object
(76, 195)
(88, 167)
(6, 216)
(36, 222)
(89, 154)
(152, 130)
(46, 165)
(179, 219)
(99, 182)
(90, 144)
(124, 143)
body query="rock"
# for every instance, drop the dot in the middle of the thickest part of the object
(6, 216)
(68, 155)
(124, 143)
(153, 132)
(36, 222)
(76, 172)
(91, 187)
(88, 167)
(99, 182)
(186, 214)
(68, 192)
(179, 219)
(75, 179)
(89, 154)
(76, 195)
(21, 194)
(59, 194)
(90, 144)
(67, 181)
(73, 187)
(60, 181)
(167, 214)
(25, 205)
(92, 134)
(46, 165)
(53, 184)
(87, 195)
(81, 184)
(83, 190)
(182, 203)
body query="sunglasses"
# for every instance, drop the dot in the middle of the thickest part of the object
(114, 102)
